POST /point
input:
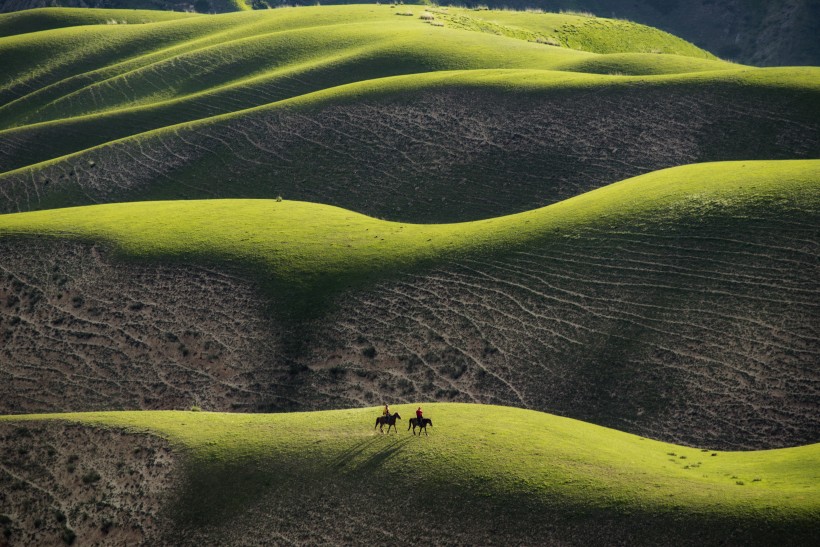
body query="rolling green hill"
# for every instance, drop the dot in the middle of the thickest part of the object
(443, 134)
(491, 113)
(765, 32)
(328, 477)
(679, 305)
(212, 65)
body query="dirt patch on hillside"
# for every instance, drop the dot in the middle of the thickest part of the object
(82, 332)
(62, 483)
(435, 155)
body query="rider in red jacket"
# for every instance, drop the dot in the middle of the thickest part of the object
(418, 416)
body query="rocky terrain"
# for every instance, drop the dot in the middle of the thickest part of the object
(59, 482)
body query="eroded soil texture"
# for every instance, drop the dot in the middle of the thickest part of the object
(62, 484)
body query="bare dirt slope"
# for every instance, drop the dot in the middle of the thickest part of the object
(62, 483)
(703, 332)
(432, 155)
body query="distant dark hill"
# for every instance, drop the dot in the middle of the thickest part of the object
(763, 32)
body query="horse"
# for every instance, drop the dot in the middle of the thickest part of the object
(389, 420)
(414, 423)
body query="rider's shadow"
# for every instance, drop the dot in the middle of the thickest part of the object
(362, 457)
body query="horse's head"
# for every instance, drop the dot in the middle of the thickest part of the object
(396, 415)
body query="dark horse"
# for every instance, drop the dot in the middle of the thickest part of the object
(390, 421)
(414, 423)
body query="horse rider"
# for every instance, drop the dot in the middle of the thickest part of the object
(386, 412)
(419, 418)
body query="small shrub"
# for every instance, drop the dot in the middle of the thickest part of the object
(5, 519)
(369, 352)
(739, 483)
(91, 477)
(195, 408)
(426, 16)
(405, 13)
(549, 41)
(578, 13)
(68, 536)
(278, 198)
(756, 479)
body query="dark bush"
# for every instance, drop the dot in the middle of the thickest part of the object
(91, 477)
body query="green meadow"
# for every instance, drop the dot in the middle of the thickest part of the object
(559, 465)
(312, 248)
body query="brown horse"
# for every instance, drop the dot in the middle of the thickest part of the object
(390, 421)
(414, 423)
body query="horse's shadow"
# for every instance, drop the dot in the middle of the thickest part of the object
(369, 454)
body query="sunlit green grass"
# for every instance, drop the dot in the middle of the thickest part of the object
(318, 249)
(557, 461)
(148, 120)
(84, 68)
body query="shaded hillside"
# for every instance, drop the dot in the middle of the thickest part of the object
(689, 313)
(304, 478)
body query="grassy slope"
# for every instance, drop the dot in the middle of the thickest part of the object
(279, 87)
(306, 246)
(28, 21)
(250, 46)
(126, 79)
(562, 467)
(35, 143)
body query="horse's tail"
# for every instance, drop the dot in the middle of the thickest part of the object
(377, 424)
(429, 422)
(409, 424)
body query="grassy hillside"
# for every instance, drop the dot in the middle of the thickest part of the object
(569, 480)
(607, 307)
(544, 144)
(332, 247)
(258, 53)
(25, 22)
(253, 105)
